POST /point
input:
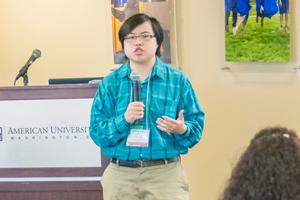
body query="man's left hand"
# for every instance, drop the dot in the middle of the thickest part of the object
(170, 125)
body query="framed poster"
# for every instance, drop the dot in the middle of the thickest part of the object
(257, 31)
(123, 9)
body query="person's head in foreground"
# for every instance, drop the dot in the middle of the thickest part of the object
(269, 169)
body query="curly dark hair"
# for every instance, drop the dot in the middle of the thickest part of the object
(269, 169)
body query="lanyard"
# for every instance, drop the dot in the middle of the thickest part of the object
(147, 100)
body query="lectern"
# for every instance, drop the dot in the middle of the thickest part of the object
(35, 181)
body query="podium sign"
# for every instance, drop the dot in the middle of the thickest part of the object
(47, 133)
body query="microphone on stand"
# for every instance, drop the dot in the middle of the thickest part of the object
(136, 89)
(23, 71)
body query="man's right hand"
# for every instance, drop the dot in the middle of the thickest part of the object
(135, 111)
(261, 10)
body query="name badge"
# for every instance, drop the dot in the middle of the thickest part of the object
(138, 138)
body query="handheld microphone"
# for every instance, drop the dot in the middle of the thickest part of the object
(23, 71)
(136, 86)
(136, 90)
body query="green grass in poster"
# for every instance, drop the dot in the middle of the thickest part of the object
(258, 44)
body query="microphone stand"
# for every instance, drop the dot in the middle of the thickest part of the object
(23, 73)
(25, 79)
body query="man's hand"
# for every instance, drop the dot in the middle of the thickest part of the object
(135, 110)
(261, 10)
(170, 125)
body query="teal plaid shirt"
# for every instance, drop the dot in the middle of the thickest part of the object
(169, 92)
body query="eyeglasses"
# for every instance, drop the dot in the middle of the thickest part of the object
(143, 37)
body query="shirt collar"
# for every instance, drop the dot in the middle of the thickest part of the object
(158, 69)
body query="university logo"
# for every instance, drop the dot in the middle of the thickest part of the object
(1, 133)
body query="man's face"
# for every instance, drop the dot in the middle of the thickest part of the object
(140, 44)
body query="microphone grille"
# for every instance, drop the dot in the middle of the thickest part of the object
(36, 53)
(135, 76)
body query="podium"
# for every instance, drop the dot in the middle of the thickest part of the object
(35, 180)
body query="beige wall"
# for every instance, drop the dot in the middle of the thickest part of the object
(75, 39)
(237, 103)
(73, 35)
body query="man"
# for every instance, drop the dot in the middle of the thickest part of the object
(283, 6)
(145, 138)
(230, 7)
(265, 8)
(242, 7)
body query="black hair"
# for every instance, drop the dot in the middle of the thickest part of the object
(138, 19)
